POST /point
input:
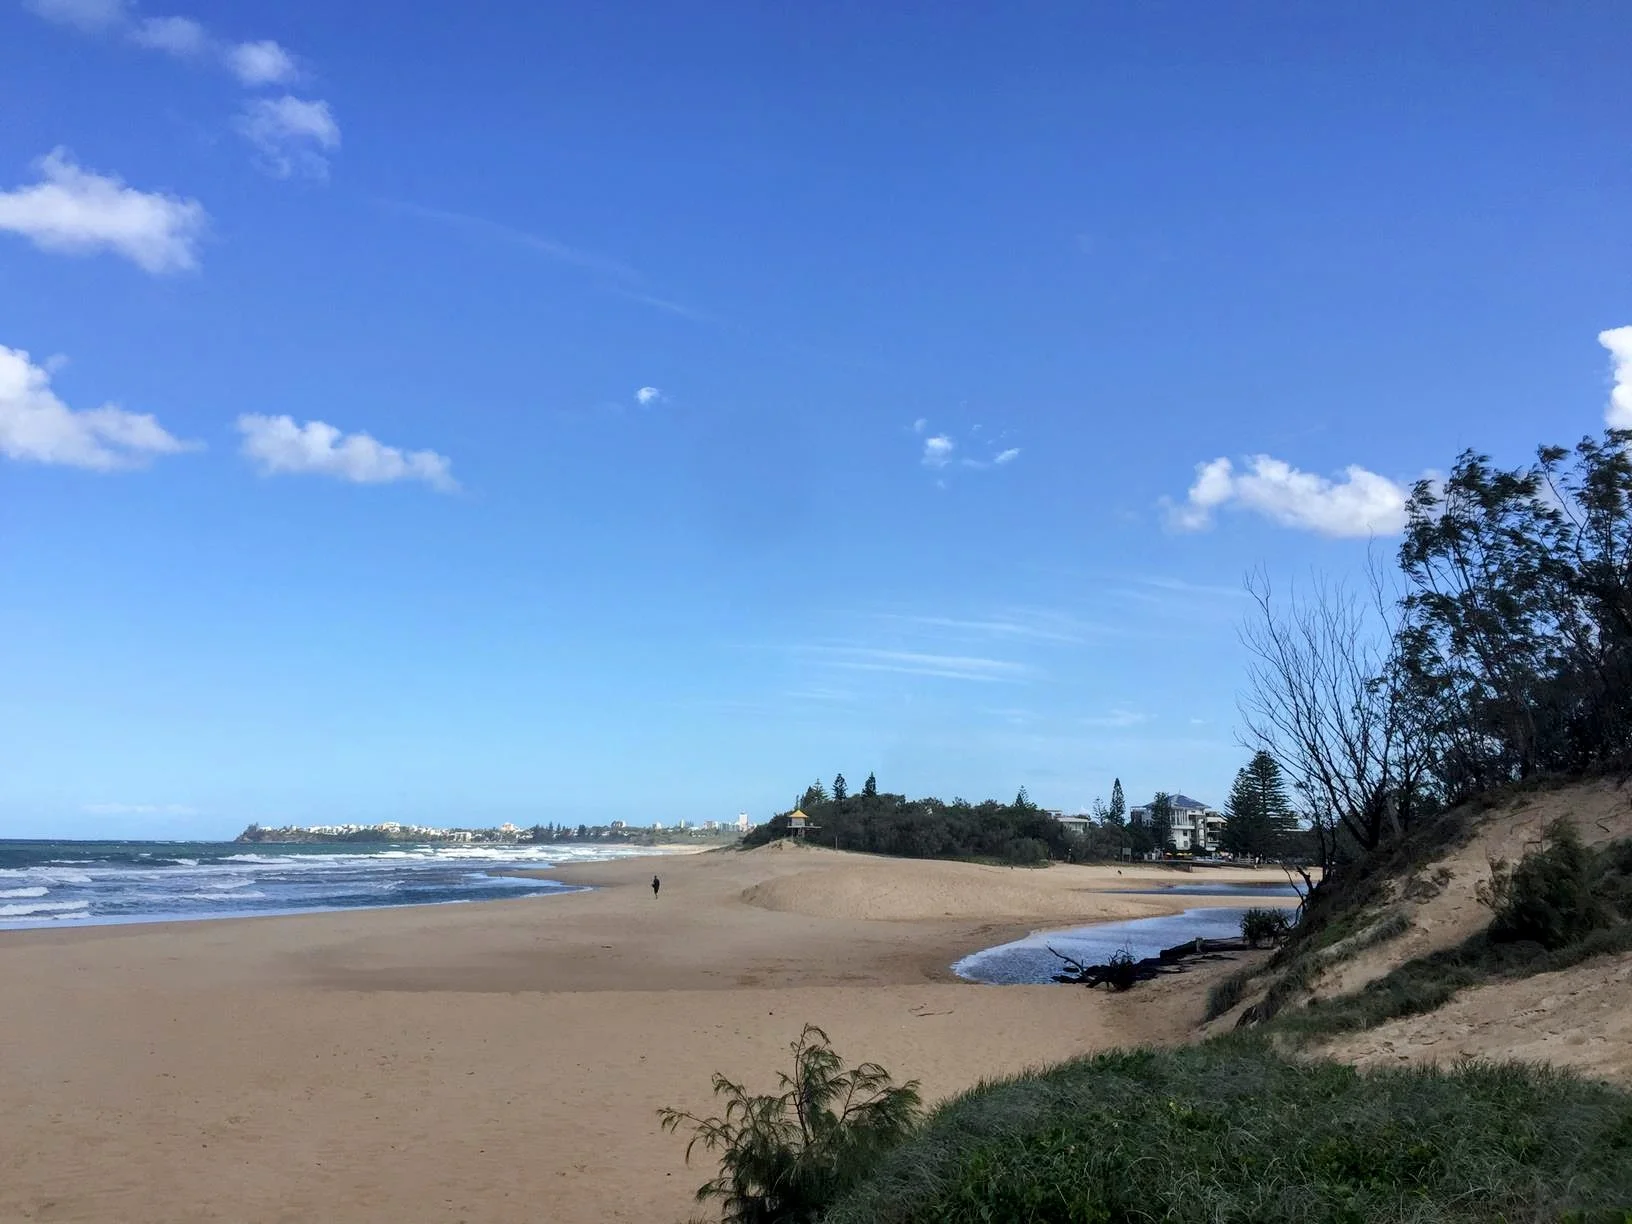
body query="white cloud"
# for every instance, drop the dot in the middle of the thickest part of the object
(292, 134)
(37, 427)
(87, 15)
(281, 447)
(1362, 503)
(648, 396)
(79, 212)
(179, 36)
(260, 63)
(938, 451)
(255, 63)
(1619, 343)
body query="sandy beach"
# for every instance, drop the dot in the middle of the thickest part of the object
(505, 1061)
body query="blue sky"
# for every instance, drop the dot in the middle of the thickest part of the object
(578, 413)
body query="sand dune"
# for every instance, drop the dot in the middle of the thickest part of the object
(1579, 1018)
(505, 1061)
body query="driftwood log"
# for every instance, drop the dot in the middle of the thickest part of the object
(1122, 971)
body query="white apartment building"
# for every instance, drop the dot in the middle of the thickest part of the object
(1196, 826)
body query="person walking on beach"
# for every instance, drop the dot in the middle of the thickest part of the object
(656, 884)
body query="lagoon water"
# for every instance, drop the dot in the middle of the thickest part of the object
(51, 884)
(1028, 961)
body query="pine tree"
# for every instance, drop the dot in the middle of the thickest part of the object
(1161, 821)
(1023, 800)
(1258, 814)
(1117, 813)
(869, 788)
(841, 789)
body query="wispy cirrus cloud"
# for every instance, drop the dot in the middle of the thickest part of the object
(280, 447)
(615, 276)
(1018, 624)
(1117, 718)
(921, 663)
(75, 211)
(1358, 503)
(1162, 589)
(37, 427)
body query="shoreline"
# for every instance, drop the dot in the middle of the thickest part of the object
(1161, 879)
(504, 1061)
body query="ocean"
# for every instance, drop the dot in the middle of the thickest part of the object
(58, 883)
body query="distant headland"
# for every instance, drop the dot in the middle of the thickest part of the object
(548, 834)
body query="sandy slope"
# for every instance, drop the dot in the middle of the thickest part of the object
(504, 1062)
(1581, 1017)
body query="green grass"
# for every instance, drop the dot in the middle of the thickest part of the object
(1305, 967)
(1575, 904)
(1229, 1131)
(1429, 982)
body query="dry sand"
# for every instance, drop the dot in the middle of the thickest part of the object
(505, 1061)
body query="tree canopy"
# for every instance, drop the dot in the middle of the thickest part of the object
(881, 823)
(1258, 815)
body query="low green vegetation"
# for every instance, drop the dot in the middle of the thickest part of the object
(1226, 1131)
(1562, 904)
(787, 1155)
(1230, 1131)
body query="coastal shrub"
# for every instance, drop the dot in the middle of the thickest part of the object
(785, 1156)
(1231, 1131)
(1026, 852)
(1548, 898)
(1260, 925)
